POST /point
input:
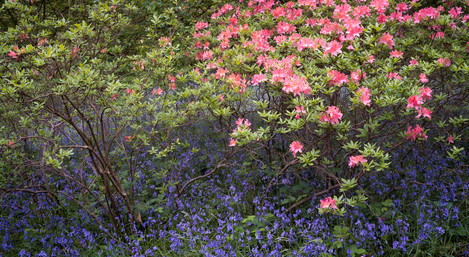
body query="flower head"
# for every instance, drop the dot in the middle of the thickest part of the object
(364, 93)
(333, 48)
(328, 202)
(296, 147)
(414, 101)
(333, 114)
(233, 142)
(355, 160)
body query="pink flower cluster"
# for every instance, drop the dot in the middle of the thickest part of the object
(414, 133)
(355, 160)
(300, 110)
(328, 202)
(416, 101)
(333, 115)
(387, 39)
(296, 147)
(242, 124)
(365, 95)
(337, 78)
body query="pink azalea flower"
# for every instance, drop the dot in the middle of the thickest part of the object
(201, 25)
(337, 78)
(333, 48)
(360, 11)
(393, 75)
(364, 93)
(158, 91)
(371, 59)
(233, 142)
(423, 78)
(387, 39)
(258, 78)
(300, 109)
(355, 160)
(296, 147)
(13, 54)
(426, 93)
(333, 115)
(355, 76)
(415, 133)
(328, 202)
(450, 139)
(424, 112)
(396, 54)
(413, 62)
(129, 91)
(402, 7)
(444, 61)
(221, 73)
(414, 101)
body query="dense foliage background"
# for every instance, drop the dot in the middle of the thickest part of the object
(234, 128)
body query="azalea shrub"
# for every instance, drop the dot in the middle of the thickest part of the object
(234, 128)
(334, 87)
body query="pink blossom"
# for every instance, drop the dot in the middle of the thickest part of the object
(415, 133)
(299, 111)
(423, 78)
(360, 11)
(355, 76)
(365, 95)
(355, 160)
(424, 112)
(13, 54)
(258, 78)
(393, 75)
(455, 11)
(297, 85)
(233, 142)
(414, 101)
(337, 78)
(296, 147)
(221, 73)
(379, 5)
(328, 202)
(283, 28)
(242, 124)
(341, 11)
(396, 54)
(201, 25)
(402, 7)
(333, 48)
(129, 91)
(158, 91)
(426, 93)
(333, 115)
(165, 41)
(387, 39)
(413, 62)
(381, 18)
(450, 139)
(444, 61)
(371, 59)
